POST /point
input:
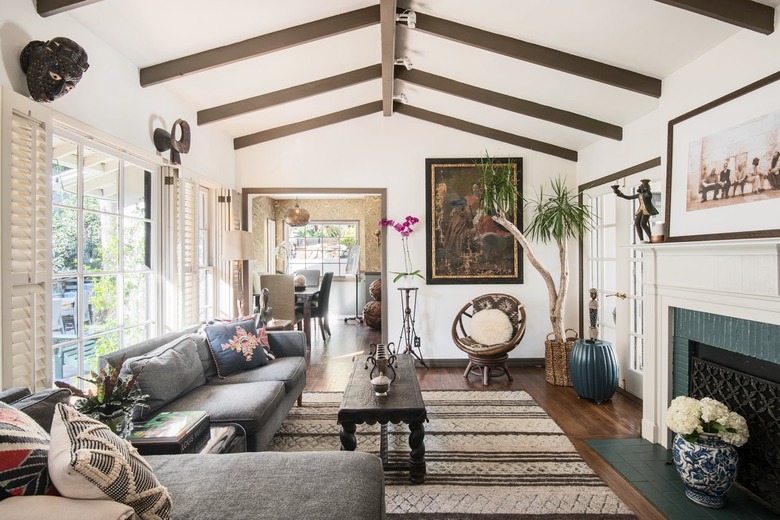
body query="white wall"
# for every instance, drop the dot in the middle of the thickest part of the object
(680, 274)
(375, 151)
(109, 96)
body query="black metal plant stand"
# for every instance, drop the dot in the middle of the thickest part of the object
(408, 337)
(356, 317)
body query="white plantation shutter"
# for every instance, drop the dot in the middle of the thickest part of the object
(188, 243)
(26, 252)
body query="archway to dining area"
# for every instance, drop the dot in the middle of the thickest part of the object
(340, 237)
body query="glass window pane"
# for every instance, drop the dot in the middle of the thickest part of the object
(101, 181)
(137, 289)
(64, 172)
(101, 298)
(607, 215)
(206, 294)
(137, 245)
(138, 187)
(66, 363)
(64, 309)
(101, 242)
(64, 240)
(135, 335)
(610, 242)
(97, 347)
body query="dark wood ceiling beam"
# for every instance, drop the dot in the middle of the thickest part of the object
(540, 55)
(484, 131)
(513, 104)
(742, 13)
(387, 30)
(320, 86)
(260, 45)
(309, 124)
(51, 7)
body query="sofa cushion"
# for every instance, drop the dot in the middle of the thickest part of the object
(248, 404)
(24, 448)
(290, 371)
(40, 405)
(204, 353)
(490, 327)
(235, 346)
(329, 485)
(144, 347)
(87, 460)
(165, 373)
(10, 395)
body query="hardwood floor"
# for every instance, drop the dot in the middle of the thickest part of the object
(330, 364)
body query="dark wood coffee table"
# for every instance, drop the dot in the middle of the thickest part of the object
(402, 404)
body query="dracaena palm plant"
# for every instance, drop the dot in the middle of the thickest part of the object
(556, 216)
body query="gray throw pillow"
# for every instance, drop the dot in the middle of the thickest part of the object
(14, 394)
(41, 405)
(204, 353)
(165, 374)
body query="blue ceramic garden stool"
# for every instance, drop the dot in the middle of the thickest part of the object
(594, 369)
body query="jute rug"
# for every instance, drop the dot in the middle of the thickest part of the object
(491, 455)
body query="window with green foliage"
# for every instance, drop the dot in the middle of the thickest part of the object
(103, 281)
(322, 245)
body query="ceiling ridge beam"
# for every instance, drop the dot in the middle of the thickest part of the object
(259, 45)
(540, 55)
(387, 30)
(512, 104)
(490, 133)
(51, 7)
(304, 90)
(309, 124)
(742, 13)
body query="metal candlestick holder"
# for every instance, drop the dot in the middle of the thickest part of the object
(382, 359)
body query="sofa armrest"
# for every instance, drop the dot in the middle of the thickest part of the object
(46, 507)
(287, 343)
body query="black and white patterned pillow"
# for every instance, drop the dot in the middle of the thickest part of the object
(87, 460)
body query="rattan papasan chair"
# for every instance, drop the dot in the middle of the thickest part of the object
(487, 328)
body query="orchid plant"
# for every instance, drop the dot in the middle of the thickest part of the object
(690, 417)
(405, 228)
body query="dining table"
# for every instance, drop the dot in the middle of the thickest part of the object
(306, 297)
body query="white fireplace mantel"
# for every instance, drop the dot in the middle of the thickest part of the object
(737, 278)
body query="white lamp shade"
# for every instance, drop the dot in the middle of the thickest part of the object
(237, 245)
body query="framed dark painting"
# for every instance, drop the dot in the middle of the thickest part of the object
(723, 167)
(464, 245)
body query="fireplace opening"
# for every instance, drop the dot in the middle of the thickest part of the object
(750, 387)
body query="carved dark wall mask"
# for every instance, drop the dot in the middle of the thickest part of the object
(53, 68)
(163, 140)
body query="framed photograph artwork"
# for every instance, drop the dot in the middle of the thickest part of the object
(464, 245)
(723, 167)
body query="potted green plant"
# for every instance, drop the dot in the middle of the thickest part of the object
(556, 216)
(112, 397)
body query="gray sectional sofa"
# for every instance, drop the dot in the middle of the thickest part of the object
(235, 486)
(179, 374)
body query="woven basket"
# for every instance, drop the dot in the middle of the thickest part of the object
(556, 358)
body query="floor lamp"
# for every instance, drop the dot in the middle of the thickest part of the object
(238, 246)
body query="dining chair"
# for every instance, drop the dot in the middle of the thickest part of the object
(320, 310)
(281, 297)
(312, 276)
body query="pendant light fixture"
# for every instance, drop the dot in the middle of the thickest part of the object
(296, 216)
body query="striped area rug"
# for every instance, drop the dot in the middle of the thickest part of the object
(491, 455)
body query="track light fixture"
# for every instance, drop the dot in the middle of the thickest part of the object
(401, 98)
(408, 16)
(405, 61)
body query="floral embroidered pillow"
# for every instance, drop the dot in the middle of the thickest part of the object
(235, 346)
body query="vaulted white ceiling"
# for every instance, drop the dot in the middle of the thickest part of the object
(647, 37)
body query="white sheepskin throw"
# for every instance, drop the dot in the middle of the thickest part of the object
(490, 327)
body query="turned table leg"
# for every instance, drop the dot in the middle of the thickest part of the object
(347, 436)
(417, 455)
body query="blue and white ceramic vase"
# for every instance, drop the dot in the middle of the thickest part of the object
(707, 467)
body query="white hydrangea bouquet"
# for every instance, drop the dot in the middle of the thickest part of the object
(689, 417)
